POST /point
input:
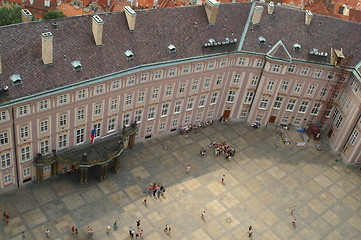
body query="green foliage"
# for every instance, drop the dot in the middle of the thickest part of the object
(53, 15)
(10, 15)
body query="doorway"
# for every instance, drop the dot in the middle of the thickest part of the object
(272, 119)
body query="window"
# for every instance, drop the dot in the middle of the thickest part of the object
(63, 141)
(149, 129)
(63, 120)
(298, 88)
(224, 62)
(165, 108)
(260, 63)
(315, 109)
(285, 119)
(258, 118)
(131, 80)
(356, 87)
(317, 73)
(98, 109)
(353, 136)
(23, 110)
(291, 104)
(155, 93)
(207, 82)
(151, 113)
(2, 115)
(186, 120)
(98, 128)
(264, 102)
(115, 84)
(162, 126)
(43, 104)
(7, 179)
(158, 74)
(210, 114)
(303, 106)
(248, 98)
(231, 96)
(81, 115)
(168, 91)
(199, 67)
(284, 86)
(63, 99)
(237, 79)
(323, 92)
(182, 88)
(195, 85)
(190, 103)
(244, 112)
(202, 101)
(138, 115)
(114, 104)
(330, 75)
(5, 160)
(254, 80)
(178, 106)
(82, 94)
(44, 126)
(126, 119)
(339, 120)
(278, 102)
(241, 61)
(175, 122)
(304, 71)
(347, 104)
(144, 77)
(297, 121)
(44, 147)
(141, 96)
(291, 68)
(276, 68)
(343, 97)
(171, 72)
(4, 138)
(80, 133)
(26, 172)
(310, 89)
(214, 98)
(24, 132)
(186, 69)
(219, 80)
(47, 168)
(129, 100)
(335, 114)
(211, 64)
(270, 85)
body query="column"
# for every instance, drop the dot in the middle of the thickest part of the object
(131, 141)
(39, 174)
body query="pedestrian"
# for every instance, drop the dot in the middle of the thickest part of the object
(76, 232)
(187, 136)
(223, 177)
(203, 215)
(294, 222)
(108, 229)
(6, 217)
(115, 225)
(133, 233)
(165, 145)
(130, 231)
(293, 209)
(166, 228)
(73, 229)
(145, 201)
(23, 235)
(47, 233)
(141, 233)
(138, 223)
(250, 231)
(188, 168)
(158, 192)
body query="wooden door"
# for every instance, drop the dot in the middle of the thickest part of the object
(226, 113)
(272, 119)
(330, 133)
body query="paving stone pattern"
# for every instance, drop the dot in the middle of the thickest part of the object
(262, 183)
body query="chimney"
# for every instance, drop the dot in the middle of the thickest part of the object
(26, 15)
(308, 17)
(257, 14)
(130, 14)
(271, 8)
(47, 47)
(46, 3)
(97, 29)
(212, 7)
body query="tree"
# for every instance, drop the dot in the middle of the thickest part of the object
(53, 15)
(10, 15)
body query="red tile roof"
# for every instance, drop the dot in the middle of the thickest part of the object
(70, 11)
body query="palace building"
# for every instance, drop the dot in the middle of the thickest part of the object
(132, 75)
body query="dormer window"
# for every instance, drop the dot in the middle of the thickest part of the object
(297, 47)
(16, 79)
(76, 65)
(262, 40)
(129, 54)
(171, 48)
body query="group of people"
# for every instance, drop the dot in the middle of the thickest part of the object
(6, 217)
(222, 148)
(153, 189)
(138, 234)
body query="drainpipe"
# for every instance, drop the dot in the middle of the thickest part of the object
(259, 80)
(15, 148)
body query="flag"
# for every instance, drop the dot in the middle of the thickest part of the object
(92, 135)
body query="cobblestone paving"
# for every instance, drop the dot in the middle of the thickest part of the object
(262, 183)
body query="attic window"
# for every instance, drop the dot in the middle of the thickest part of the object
(297, 47)
(76, 65)
(16, 79)
(129, 54)
(171, 48)
(262, 40)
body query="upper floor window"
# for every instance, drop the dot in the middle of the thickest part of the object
(155, 93)
(116, 84)
(24, 132)
(43, 126)
(151, 113)
(270, 85)
(231, 96)
(186, 69)
(190, 103)
(81, 115)
(284, 86)
(3, 116)
(241, 61)
(254, 80)
(276, 68)
(63, 120)
(317, 73)
(138, 115)
(114, 104)
(214, 98)
(195, 85)
(291, 104)
(323, 92)
(25, 154)
(99, 89)
(315, 109)
(278, 102)
(207, 82)
(354, 136)
(23, 110)
(165, 109)
(219, 80)
(80, 136)
(237, 79)
(168, 91)
(158, 74)
(356, 87)
(141, 96)
(129, 100)
(171, 72)
(303, 106)
(5, 160)
(131, 80)
(4, 139)
(211, 64)
(44, 147)
(304, 71)
(63, 141)
(347, 104)
(43, 104)
(298, 87)
(339, 121)
(63, 99)
(264, 102)
(199, 67)
(144, 77)
(81, 94)
(249, 97)
(260, 63)
(98, 109)
(291, 68)
(182, 88)
(331, 75)
(178, 106)
(224, 62)
(202, 100)
(311, 89)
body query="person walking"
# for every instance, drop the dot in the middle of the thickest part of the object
(145, 201)
(47, 233)
(294, 222)
(138, 223)
(293, 209)
(23, 235)
(108, 229)
(203, 215)
(188, 168)
(141, 233)
(73, 229)
(223, 178)
(76, 232)
(250, 231)
(165, 145)
(115, 225)
(166, 228)
(130, 232)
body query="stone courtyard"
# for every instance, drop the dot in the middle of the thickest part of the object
(262, 183)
